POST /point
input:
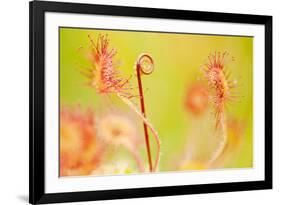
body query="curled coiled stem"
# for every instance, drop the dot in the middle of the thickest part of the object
(104, 77)
(145, 65)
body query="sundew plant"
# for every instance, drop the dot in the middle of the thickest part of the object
(142, 102)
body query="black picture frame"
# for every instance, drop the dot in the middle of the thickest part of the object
(37, 9)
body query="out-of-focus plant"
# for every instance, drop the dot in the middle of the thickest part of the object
(197, 99)
(119, 167)
(80, 150)
(87, 139)
(196, 103)
(117, 129)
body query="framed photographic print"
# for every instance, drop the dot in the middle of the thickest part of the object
(140, 102)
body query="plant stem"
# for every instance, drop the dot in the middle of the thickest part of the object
(149, 125)
(143, 113)
(220, 149)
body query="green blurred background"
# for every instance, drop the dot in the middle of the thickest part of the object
(177, 59)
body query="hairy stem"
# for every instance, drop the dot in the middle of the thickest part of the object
(148, 124)
(223, 141)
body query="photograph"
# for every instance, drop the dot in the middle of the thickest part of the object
(132, 102)
(141, 102)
